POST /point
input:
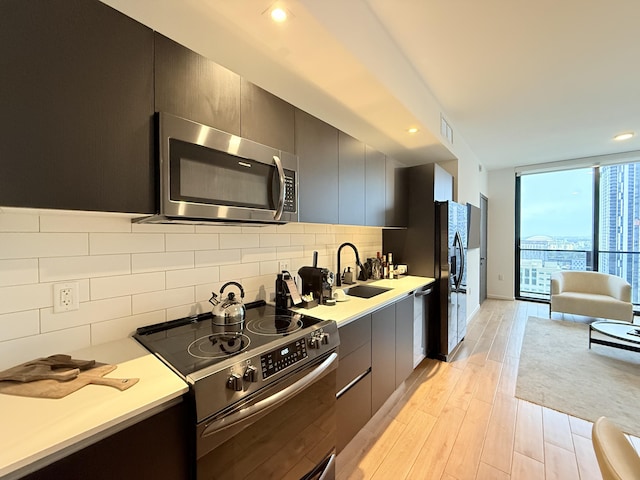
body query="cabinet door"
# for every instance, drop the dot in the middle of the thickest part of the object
(266, 118)
(396, 197)
(76, 107)
(383, 355)
(193, 87)
(351, 180)
(317, 150)
(374, 193)
(157, 447)
(353, 411)
(404, 339)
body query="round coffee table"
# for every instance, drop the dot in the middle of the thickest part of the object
(623, 335)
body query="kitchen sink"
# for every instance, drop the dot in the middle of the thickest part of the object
(365, 291)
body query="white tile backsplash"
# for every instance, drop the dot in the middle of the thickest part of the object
(26, 297)
(149, 302)
(89, 312)
(84, 223)
(132, 275)
(33, 245)
(126, 285)
(239, 240)
(258, 254)
(18, 272)
(275, 240)
(210, 258)
(72, 268)
(192, 277)
(155, 262)
(23, 349)
(11, 222)
(19, 324)
(111, 330)
(195, 241)
(239, 271)
(108, 243)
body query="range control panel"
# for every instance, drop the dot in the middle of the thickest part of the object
(283, 357)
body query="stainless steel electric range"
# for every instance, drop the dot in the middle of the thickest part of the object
(263, 395)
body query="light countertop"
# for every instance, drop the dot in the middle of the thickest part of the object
(38, 431)
(345, 312)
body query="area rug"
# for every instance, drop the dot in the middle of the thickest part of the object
(557, 370)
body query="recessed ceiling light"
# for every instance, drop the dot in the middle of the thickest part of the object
(278, 14)
(624, 136)
(413, 130)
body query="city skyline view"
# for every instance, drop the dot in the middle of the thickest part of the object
(557, 224)
(557, 204)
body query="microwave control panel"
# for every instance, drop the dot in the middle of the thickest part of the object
(290, 191)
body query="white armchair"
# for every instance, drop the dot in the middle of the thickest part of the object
(592, 294)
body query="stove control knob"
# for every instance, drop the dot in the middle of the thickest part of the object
(324, 338)
(251, 374)
(234, 382)
(314, 342)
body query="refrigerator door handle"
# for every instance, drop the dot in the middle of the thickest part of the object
(457, 244)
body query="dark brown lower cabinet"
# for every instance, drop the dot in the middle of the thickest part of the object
(404, 339)
(353, 411)
(383, 355)
(353, 380)
(376, 356)
(157, 447)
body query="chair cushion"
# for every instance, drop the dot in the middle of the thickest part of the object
(593, 305)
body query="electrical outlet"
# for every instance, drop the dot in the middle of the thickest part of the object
(500, 277)
(66, 297)
(283, 265)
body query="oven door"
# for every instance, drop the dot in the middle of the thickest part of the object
(209, 174)
(287, 431)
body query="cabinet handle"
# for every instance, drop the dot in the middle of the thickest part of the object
(424, 293)
(353, 382)
(283, 191)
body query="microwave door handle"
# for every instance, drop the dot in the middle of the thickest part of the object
(283, 192)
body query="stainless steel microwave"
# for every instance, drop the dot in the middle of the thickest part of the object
(209, 175)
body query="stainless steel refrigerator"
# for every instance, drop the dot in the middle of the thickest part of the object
(435, 245)
(450, 327)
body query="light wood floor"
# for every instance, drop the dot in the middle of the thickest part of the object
(461, 420)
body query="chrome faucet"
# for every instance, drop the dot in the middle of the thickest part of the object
(339, 273)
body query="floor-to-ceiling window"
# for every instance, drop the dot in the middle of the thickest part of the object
(619, 220)
(555, 227)
(581, 219)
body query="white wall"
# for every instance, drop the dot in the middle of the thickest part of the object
(501, 234)
(470, 181)
(133, 275)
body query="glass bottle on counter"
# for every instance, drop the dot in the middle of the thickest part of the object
(390, 267)
(377, 267)
(385, 267)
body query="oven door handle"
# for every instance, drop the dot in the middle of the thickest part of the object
(283, 190)
(272, 401)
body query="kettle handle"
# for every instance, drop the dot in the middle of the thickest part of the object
(233, 283)
(214, 299)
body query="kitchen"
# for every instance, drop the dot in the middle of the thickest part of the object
(130, 274)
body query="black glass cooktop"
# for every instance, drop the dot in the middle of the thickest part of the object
(193, 343)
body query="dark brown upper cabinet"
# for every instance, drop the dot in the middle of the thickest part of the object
(265, 118)
(193, 87)
(396, 197)
(317, 150)
(351, 180)
(76, 107)
(375, 188)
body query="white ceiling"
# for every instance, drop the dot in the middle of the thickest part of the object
(521, 82)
